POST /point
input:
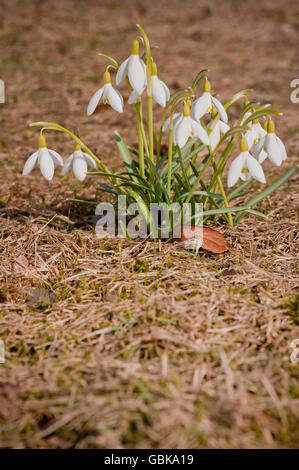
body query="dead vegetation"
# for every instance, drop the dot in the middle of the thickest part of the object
(111, 343)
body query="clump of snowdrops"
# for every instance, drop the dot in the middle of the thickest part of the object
(197, 134)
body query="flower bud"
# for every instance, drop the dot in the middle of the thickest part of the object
(271, 127)
(154, 69)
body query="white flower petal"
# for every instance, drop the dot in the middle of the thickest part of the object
(261, 130)
(282, 148)
(115, 99)
(224, 127)
(79, 167)
(90, 161)
(122, 71)
(255, 168)
(199, 131)
(136, 74)
(67, 165)
(221, 111)
(158, 91)
(166, 89)
(46, 164)
(182, 131)
(135, 94)
(29, 164)
(258, 147)
(262, 156)
(214, 136)
(94, 101)
(273, 149)
(201, 106)
(235, 170)
(56, 157)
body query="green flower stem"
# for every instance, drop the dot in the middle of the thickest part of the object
(230, 220)
(169, 168)
(211, 156)
(150, 127)
(160, 135)
(138, 106)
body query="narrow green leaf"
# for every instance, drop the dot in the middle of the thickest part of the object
(126, 155)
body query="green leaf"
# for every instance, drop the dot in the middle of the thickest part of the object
(259, 114)
(269, 190)
(236, 97)
(126, 155)
(141, 204)
(198, 78)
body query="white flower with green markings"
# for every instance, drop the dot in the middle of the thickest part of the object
(46, 158)
(79, 162)
(134, 68)
(205, 103)
(160, 90)
(110, 96)
(245, 166)
(186, 127)
(270, 146)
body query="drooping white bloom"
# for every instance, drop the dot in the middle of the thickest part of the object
(244, 166)
(205, 103)
(185, 127)
(78, 161)
(217, 128)
(110, 96)
(160, 91)
(270, 146)
(46, 158)
(134, 68)
(255, 133)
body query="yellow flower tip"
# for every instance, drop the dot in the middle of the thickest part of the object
(255, 121)
(41, 141)
(154, 69)
(207, 86)
(135, 47)
(214, 112)
(186, 110)
(76, 147)
(243, 145)
(107, 78)
(271, 127)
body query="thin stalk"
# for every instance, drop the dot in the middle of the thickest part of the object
(169, 168)
(140, 138)
(160, 135)
(150, 127)
(230, 220)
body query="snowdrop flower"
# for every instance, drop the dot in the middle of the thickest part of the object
(134, 68)
(255, 133)
(46, 158)
(245, 166)
(186, 127)
(270, 146)
(160, 90)
(217, 128)
(110, 96)
(78, 161)
(205, 103)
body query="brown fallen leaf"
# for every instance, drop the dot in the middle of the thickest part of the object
(21, 264)
(203, 237)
